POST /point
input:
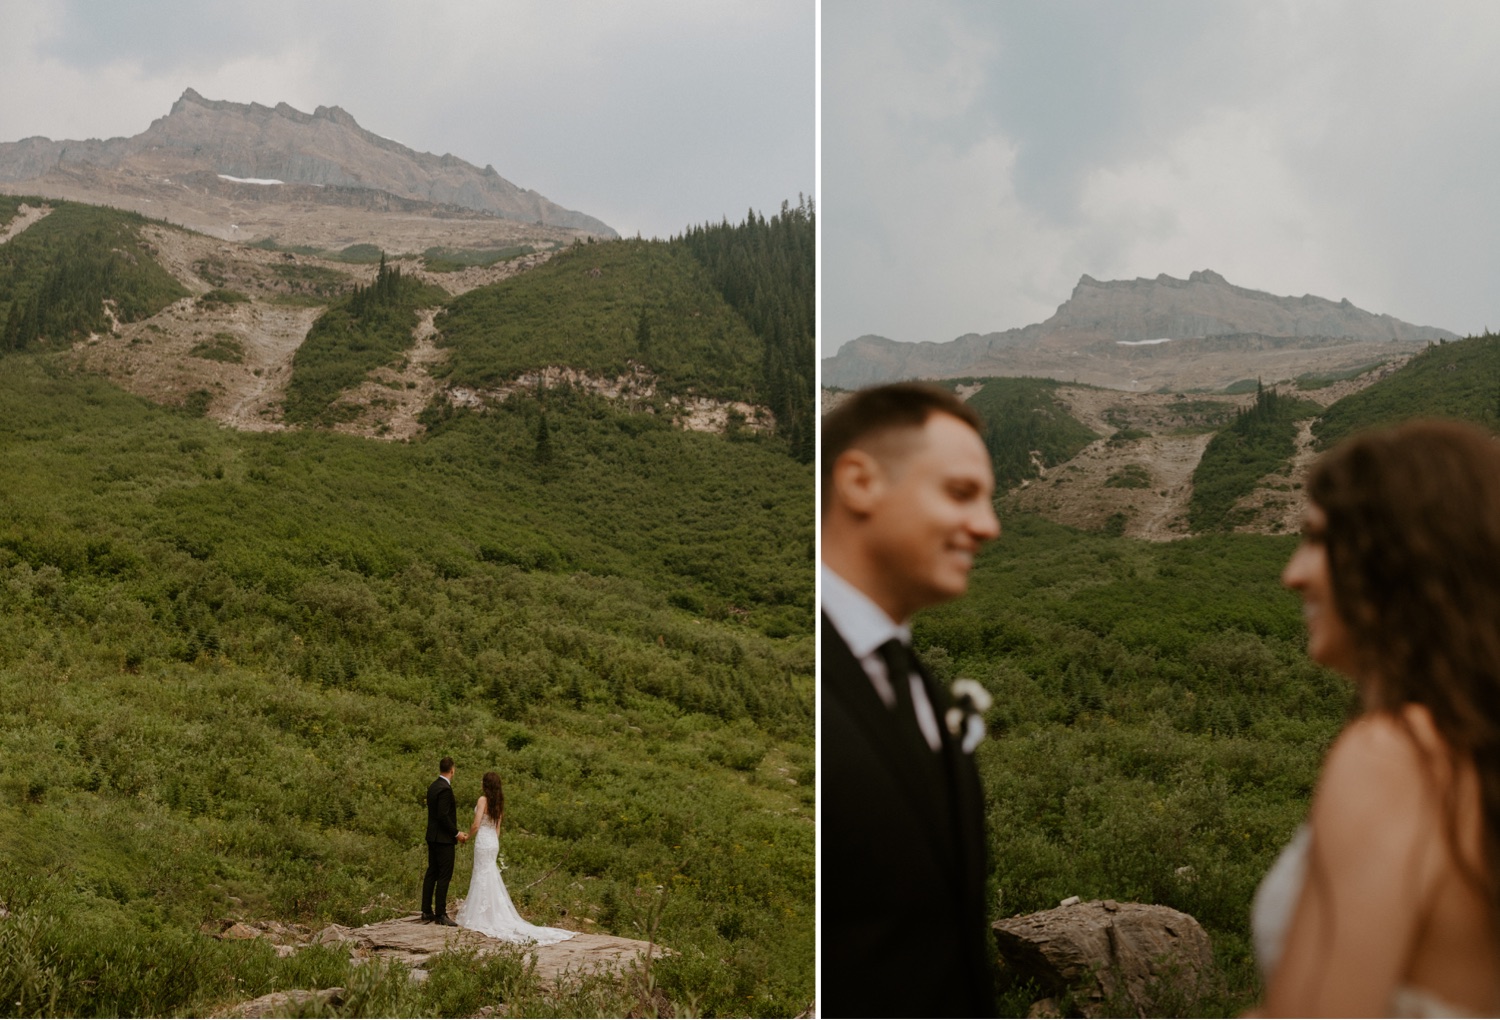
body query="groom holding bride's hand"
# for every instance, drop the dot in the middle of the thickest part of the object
(443, 837)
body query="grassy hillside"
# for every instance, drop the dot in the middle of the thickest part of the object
(56, 276)
(600, 307)
(228, 663)
(1260, 440)
(1022, 416)
(1453, 380)
(1154, 711)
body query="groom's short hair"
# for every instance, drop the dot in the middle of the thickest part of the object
(445, 766)
(868, 413)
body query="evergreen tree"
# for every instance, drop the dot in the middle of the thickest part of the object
(765, 270)
(643, 333)
(543, 440)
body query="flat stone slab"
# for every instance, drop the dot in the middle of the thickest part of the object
(409, 940)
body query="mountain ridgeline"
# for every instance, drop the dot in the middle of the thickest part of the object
(227, 147)
(1157, 334)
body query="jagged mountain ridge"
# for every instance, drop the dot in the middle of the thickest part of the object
(1218, 333)
(324, 148)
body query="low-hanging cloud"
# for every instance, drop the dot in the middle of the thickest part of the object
(979, 158)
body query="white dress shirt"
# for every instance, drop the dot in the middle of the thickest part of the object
(864, 626)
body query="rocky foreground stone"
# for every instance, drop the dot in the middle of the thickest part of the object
(409, 941)
(1094, 954)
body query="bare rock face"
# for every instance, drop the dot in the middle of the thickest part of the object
(1144, 334)
(280, 153)
(1103, 950)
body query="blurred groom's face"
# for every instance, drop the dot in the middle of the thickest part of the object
(934, 513)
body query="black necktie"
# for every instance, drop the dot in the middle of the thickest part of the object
(898, 669)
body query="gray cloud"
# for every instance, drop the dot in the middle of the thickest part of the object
(977, 158)
(651, 116)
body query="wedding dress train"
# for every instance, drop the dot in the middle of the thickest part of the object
(488, 908)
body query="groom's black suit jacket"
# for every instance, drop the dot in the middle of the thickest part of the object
(442, 812)
(902, 866)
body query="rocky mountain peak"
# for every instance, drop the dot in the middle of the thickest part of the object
(1134, 333)
(249, 141)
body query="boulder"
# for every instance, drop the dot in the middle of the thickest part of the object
(1102, 951)
(239, 931)
(288, 1003)
(335, 933)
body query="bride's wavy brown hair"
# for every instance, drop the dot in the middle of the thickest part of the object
(1413, 544)
(494, 797)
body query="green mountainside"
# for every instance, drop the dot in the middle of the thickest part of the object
(1023, 416)
(598, 308)
(1459, 379)
(229, 661)
(56, 276)
(1260, 440)
(724, 312)
(369, 328)
(765, 270)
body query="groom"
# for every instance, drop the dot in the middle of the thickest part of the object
(907, 490)
(443, 838)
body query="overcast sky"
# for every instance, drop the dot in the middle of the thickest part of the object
(979, 157)
(651, 115)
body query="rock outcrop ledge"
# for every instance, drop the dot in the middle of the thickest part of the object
(408, 941)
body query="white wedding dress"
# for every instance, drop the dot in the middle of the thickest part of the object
(1271, 917)
(488, 908)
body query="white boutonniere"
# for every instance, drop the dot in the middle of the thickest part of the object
(966, 718)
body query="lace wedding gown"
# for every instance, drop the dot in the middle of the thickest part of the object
(488, 908)
(1271, 917)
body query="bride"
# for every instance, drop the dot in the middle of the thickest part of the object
(488, 908)
(1387, 902)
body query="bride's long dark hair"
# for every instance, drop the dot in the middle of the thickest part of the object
(1413, 543)
(494, 797)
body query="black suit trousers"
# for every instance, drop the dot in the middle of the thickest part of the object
(439, 873)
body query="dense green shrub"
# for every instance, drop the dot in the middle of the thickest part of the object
(450, 260)
(223, 347)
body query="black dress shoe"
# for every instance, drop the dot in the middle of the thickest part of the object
(427, 918)
(446, 921)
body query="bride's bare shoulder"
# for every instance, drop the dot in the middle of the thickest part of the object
(1381, 760)
(1394, 740)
